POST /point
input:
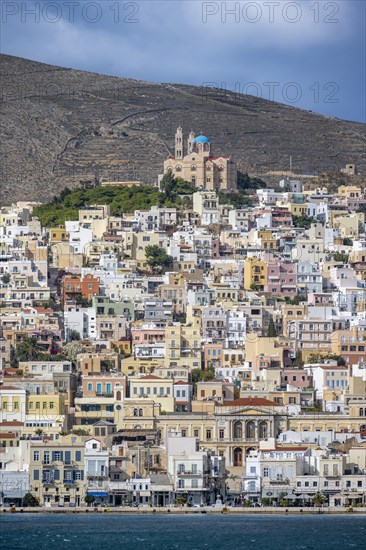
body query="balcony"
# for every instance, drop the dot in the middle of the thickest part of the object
(47, 481)
(189, 473)
(284, 481)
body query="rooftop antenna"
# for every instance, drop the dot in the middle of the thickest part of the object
(291, 163)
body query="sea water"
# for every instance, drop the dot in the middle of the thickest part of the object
(191, 532)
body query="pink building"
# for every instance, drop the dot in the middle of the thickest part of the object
(147, 333)
(98, 385)
(213, 354)
(281, 278)
(298, 378)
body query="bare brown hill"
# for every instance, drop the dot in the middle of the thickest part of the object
(62, 126)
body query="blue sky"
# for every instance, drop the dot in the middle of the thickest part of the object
(307, 53)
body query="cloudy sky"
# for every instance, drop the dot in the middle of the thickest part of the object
(307, 53)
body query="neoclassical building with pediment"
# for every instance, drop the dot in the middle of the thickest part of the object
(231, 430)
(199, 165)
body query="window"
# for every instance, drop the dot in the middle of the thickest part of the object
(36, 456)
(77, 456)
(265, 472)
(208, 435)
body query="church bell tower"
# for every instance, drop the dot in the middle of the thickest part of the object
(179, 143)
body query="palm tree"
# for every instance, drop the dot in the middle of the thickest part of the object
(28, 349)
(318, 499)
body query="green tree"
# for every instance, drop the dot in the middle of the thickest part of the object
(72, 349)
(303, 221)
(6, 278)
(319, 499)
(157, 258)
(74, 335)
(30, 500)
(89, 499)
(80, 431)
(202, 375)
(244, 182)
(28, 349)
(272, 332)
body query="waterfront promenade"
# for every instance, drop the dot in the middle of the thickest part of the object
(144, 510)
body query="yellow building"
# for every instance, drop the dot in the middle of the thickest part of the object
(298, 209)
(153, 387)
(63, 256)
(255, 274)
(140, 241)
(56, 471)
(183, 345)
(291, 313)
(89, 410)
(174, 291)
(350, 191)
(57, 234)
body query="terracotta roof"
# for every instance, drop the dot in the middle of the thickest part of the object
(9, 435)
(9, 388)
(250, 402)
(43, 310)
(181, 402)
(181, 383)
(151, 377)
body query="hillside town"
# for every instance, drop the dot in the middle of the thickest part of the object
(196, 354)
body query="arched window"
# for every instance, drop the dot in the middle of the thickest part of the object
(238, 430)
(238, 457)
(263, 430)
(193, 168)
(221, 168)
(118, 396)
(135, 412)
(250, 430)
(178, 168)
(141, 412)
(361, 412)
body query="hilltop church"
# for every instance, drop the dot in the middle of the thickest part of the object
(199, 166)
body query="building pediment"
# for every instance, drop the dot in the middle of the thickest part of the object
(245, 411)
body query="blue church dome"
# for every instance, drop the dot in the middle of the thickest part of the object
(201, 139)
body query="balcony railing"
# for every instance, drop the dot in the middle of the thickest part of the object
(189, 473)
(284, 481)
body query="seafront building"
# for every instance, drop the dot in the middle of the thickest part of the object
(235, 373)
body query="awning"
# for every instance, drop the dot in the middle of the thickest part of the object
(97, 493)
